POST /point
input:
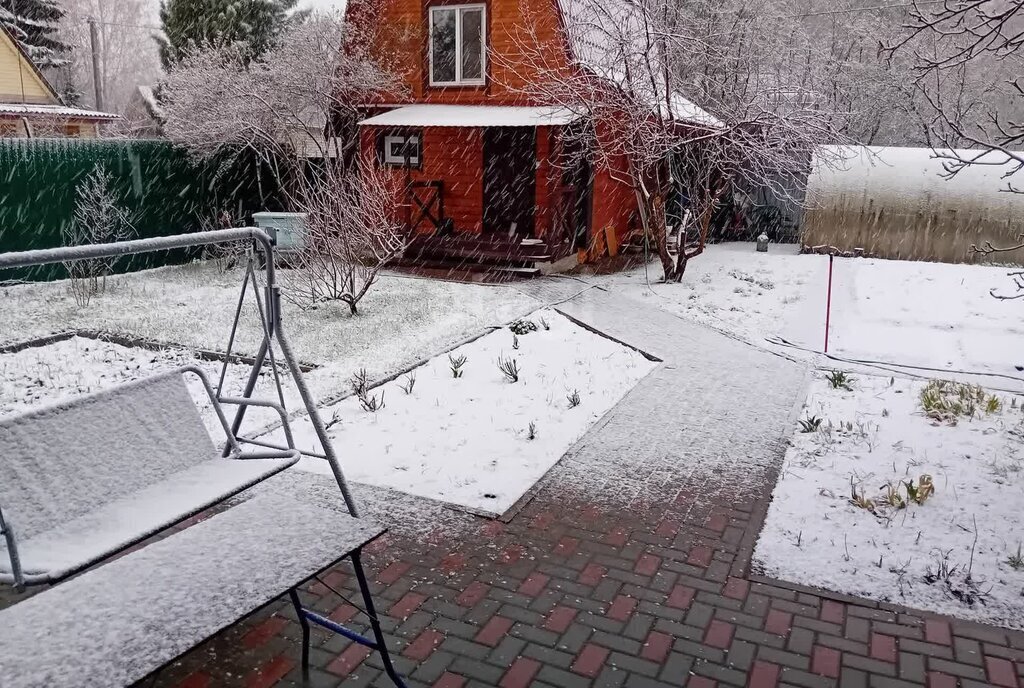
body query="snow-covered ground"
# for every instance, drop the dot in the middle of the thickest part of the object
(910, 313)
(64, 369)
(401, 320)
(958, 552)
(467, 440)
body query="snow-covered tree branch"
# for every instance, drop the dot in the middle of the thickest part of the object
(960, 42)
(291, 107)
(658, 88)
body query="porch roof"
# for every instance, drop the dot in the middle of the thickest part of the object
(472, 116)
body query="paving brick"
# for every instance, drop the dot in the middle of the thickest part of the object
(559, 619)
(1001, 672)
(736, 588)
(345, 663)
(197, 679)
(534, 585)
(883, 647)
(622, 608)
(719, 634)
(647, 565)
(494, 630)
(592, 574)
(407, 605)
(700, 556)
(832, 612)
(520, 674)
(590, 660)
(270, 673)
(393, 572)
(700, 682)
(657, 647)
(681, 597)
(778, 622)
(617, 536)
(764, 675)
(449, 680)
(262, 632)
(566, 546)
(825, 661)
(424, 644)
(940, 680)
(911, 667)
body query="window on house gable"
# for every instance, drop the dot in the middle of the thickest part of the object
(457, 45)
(400, 149)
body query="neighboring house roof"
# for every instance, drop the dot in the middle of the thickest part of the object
(610, 39)
(54, 108)
(56, 111)
(26, 61)
(472, 116)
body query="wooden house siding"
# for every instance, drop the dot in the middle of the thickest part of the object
(19, 81)
(402, 26)
(454, 156)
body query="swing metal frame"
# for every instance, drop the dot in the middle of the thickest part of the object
(269, 307)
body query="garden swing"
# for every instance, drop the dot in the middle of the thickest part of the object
(85, 480)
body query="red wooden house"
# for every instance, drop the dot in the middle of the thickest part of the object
(479, 158)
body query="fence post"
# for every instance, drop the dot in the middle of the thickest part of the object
(828, 301)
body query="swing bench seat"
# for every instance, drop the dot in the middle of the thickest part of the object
(120, 622)
(85, 479)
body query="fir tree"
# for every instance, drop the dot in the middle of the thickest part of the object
(34, 23)
(199, 24)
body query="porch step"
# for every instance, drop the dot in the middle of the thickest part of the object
(463, 271)
(482, 251)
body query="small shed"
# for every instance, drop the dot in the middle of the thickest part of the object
(898, 203)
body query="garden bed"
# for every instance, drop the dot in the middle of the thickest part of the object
(853, 511)
(482, 439)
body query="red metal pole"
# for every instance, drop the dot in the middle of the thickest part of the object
(828, 303)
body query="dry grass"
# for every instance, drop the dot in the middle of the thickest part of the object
(946, 401)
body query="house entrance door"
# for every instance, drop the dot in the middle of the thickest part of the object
(509, 181)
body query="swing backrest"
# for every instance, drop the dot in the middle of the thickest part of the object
(63, 461)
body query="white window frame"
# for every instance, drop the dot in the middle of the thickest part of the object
(459, 81)
(403, 139)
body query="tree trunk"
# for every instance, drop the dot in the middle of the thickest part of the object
(659, 228)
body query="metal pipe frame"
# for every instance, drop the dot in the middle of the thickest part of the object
(306, 617)
(23, 259)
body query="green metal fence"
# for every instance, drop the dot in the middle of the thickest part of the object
(164, 191)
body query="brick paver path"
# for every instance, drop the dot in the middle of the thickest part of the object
(629, 567)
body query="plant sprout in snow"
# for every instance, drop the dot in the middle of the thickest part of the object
(456, 363)
(509, 367)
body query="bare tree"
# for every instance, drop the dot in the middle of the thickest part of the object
(98, 219)
(127, 54)
(957, 45)
(637, 65)
(351, 234)
(284, 106)
(281, 105)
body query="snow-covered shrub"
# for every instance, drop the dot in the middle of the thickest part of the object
(521, 327)
(98, 219)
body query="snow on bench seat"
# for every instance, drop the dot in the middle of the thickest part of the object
(116, 624)
(111, 527)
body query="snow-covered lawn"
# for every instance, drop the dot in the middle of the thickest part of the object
(911, 313)
(401, 320)
(71, 367)
(832, 524)
(468, 440)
